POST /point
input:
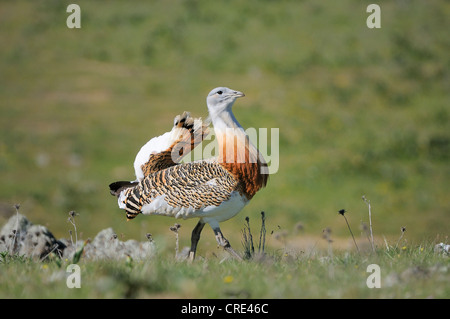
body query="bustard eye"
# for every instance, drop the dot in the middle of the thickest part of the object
(219, 92)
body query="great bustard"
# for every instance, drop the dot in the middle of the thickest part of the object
(213, 190)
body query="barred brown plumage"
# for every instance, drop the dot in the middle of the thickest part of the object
(213, 190)
(181, 190)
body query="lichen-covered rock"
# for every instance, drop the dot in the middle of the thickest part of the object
(20, 236)
(106, 245)
(39, 242)
(13, 233)
(442, 249)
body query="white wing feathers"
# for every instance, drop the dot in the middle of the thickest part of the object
(187, 132)
(154, 146)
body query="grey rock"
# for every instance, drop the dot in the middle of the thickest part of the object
(19, 236)
(13, 233)
(442, 248)
(106, 245)
(39, 242)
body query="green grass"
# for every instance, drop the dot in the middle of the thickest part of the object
(412, 271)
(360, 111)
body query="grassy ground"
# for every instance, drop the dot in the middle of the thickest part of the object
(414, 271)
(360, 111)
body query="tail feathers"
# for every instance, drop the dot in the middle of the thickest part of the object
(117, 187)
(127, 197)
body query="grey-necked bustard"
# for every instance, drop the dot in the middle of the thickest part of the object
(213, 190)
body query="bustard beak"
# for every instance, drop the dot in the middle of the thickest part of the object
(238, 94)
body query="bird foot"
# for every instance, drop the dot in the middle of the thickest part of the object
(191, 256)
(222, 241)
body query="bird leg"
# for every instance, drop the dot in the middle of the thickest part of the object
(195, 237)
(222, 241)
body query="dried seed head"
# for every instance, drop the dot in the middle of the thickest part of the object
(175, 227)
(149, 237)
(299, 227)
(342, 211)
(403, 229)
(17, 206)
(72, 214)
(281, 235)
(326, 234)
(365, 199)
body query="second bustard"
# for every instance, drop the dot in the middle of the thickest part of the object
(213, 190)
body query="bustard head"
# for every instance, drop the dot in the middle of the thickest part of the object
(221, 99)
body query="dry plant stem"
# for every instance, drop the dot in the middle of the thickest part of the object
(366, 231)
(403, 229)
(75, 228)
(250, 235)
(370, 221)
(246, 239)
(351, 233)
(401, 236)
(176, 244)
(11, 248)
(262, 233)
(330, 249)
(175, 228)
(327, 236)
(53, 249)
(386, 243)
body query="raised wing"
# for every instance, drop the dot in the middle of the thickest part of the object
(168, 149)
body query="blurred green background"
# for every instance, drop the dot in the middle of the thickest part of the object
(360, 111)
